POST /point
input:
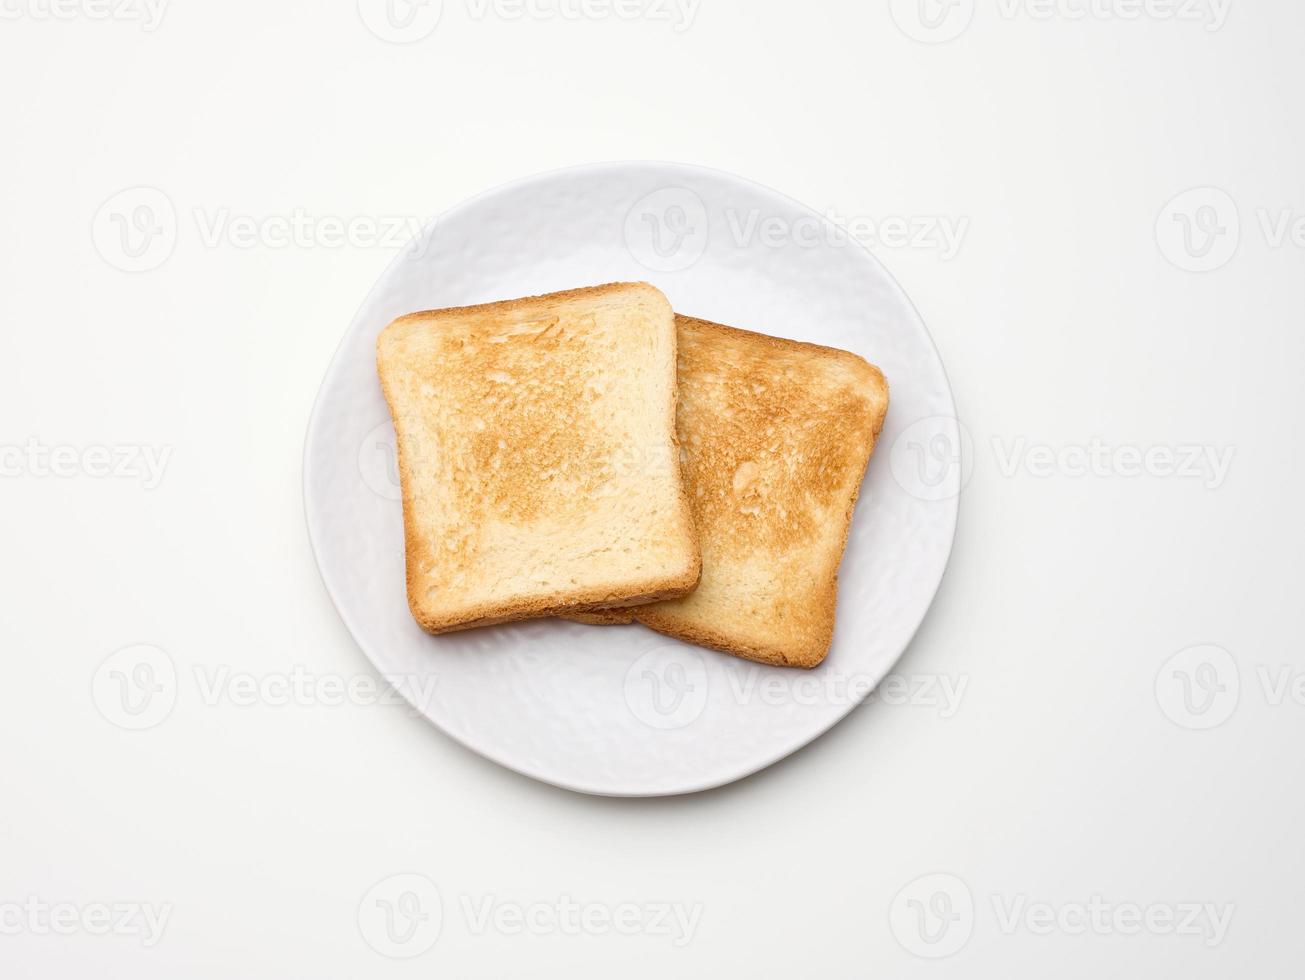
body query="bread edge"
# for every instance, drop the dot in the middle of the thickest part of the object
(506, 305)
(602, 617)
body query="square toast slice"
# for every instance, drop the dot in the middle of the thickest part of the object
(775, 436)
(537, 456)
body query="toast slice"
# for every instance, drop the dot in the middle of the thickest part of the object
(537, 456)
(774, 436)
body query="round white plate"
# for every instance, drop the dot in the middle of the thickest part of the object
(620, 710)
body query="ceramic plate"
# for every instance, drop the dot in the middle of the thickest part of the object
(620, 710)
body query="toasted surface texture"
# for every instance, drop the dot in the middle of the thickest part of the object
(775, 436)
(537, 455)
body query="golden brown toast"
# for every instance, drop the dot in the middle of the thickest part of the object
(537, 456)
(774, 436)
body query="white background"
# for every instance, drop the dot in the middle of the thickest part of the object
(1072, 770)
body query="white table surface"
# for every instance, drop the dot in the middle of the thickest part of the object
(1074, 803)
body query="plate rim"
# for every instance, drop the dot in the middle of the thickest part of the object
(952, 500)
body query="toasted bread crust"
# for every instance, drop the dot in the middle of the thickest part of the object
(596, 611)
(522, 304)
(499, 458)
(777, 435)
(602, 617)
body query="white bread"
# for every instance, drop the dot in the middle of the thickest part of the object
(775, 436)
(537, 456)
